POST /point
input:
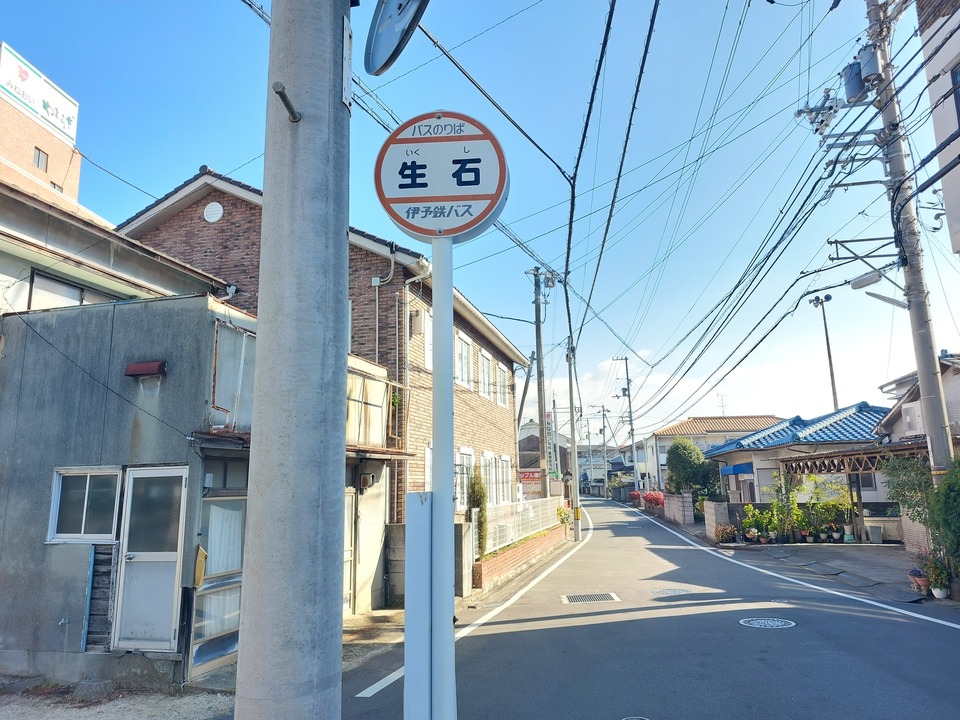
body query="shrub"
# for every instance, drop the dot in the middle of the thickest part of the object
(725, 532)
(477, 498)
(653, 497)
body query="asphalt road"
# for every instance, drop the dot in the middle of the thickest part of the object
(671, 643)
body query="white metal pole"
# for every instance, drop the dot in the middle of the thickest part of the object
(291, 630)
(572, 463)
(444, 680)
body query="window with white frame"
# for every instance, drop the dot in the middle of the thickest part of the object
(504, 494)
(464, 471)
(502, 380)
(428, 340)
(485, 375)
(84, 507)
(488, 469)
(463, 361)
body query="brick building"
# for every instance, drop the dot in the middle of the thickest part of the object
(213, 222)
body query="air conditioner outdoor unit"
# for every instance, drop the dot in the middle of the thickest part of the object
(912, 419)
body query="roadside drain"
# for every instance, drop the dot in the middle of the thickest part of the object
(767, 623)
(590, 598)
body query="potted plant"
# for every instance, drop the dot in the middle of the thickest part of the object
(916, 574)
(936, 571)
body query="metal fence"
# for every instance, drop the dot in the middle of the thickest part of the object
(507, 524)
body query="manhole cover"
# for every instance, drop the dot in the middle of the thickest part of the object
(767, 623)
(669, 591)
(591, 598)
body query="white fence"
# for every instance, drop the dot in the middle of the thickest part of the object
(507, 524)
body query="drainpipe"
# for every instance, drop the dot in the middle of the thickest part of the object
(377, 282)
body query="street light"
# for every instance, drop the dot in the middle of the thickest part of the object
(819, 302)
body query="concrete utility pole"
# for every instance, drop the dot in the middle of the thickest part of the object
(572, 451)
(291, 626)
(541, 390)
(633, 442)
(933, 408)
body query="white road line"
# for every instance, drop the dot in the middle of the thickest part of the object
(865, 601)
(397, 674)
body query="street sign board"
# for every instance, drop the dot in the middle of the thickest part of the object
(442, 174)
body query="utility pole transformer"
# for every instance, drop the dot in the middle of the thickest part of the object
(900, 186)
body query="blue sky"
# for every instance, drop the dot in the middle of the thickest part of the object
(715, 151)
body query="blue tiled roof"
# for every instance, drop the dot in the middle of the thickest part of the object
(852, 424)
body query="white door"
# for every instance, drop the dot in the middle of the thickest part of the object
(148, 596)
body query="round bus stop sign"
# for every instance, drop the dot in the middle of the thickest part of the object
(442, 174)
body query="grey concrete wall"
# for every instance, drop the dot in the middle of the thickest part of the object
(463, 562)
(678, 509)
(463, 559)
(715, 513)
(395, 565)
(65, 402)
(371, 540)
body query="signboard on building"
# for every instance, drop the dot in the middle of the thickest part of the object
(442, 174)
(27, 89)
(532, 485)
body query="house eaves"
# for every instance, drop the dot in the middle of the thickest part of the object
(92, 226)
(912, 393)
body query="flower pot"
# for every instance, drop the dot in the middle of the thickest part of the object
(848, 529)
(836, 536)
(810, 538)
(823, 536)
(940, 593)
(923, 583)
(764, 539)
(955, 589)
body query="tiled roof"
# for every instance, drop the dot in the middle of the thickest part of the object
(852, 424)
(721, 423)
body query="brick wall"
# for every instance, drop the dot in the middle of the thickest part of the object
(915, 535)
(228, 248)
(498, 568)
(17, 142)
(930, 11)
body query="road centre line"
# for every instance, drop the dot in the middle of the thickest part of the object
(398, 673)
(865, 601)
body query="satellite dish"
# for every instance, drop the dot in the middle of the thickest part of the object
(391, 27)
